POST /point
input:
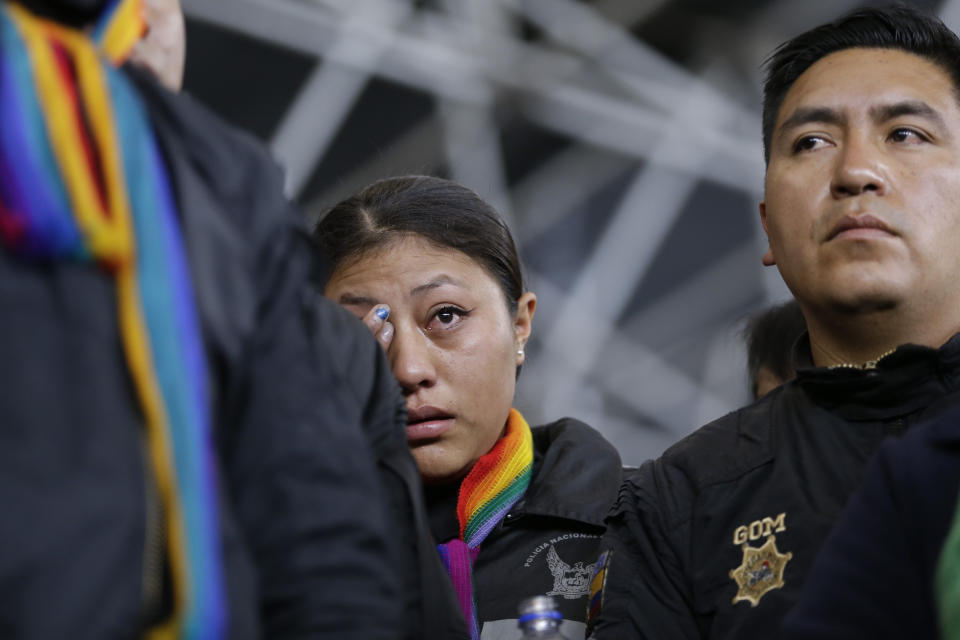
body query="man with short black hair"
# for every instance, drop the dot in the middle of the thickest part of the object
(862, 139)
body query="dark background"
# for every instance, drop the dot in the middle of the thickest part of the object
(620, 139)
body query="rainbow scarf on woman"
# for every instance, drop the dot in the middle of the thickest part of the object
(82, 179)
(494, 484)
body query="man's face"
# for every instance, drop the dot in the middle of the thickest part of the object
(862, 206)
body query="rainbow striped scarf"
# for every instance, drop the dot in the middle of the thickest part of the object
(120, 27)
(494, 484)
(82, 178)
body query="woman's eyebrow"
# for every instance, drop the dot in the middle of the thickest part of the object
(355, 300)
(439, 281)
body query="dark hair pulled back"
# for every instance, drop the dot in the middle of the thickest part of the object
(440, 211)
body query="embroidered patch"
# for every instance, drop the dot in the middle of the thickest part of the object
(760, 529)
(761, 571)
(569, 582)
(546, 544)
(597, 585)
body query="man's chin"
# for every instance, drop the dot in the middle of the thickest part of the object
(867, 288)
(866, 300)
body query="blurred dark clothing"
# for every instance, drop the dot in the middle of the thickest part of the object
(303, 532)
(774, 475)
(75, 13)
(548, 541)
(874, 577)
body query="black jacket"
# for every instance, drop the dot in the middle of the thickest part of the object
(301, 515)
(547, 543)
(750, 498)
(875, 576)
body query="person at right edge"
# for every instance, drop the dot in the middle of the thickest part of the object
(861, 129)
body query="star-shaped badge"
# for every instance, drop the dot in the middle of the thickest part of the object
(761, 571)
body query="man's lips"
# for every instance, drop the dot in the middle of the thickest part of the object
(864, 226)
(427, 422)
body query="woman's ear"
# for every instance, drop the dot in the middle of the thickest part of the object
(523, 323)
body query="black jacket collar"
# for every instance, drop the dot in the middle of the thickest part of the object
(907, 380)
(576, 474)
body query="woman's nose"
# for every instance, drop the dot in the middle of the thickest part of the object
(411, 359)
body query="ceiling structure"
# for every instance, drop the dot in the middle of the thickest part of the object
(619, 138)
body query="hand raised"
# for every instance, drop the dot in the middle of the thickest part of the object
(382, 329)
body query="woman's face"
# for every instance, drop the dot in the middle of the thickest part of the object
(455, 346)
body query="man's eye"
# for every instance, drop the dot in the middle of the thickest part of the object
(807, 143)
(905, 134)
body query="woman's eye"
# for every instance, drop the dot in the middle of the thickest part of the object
(446, 317)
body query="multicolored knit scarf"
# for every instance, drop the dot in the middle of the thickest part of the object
(494, 484)
(120, 27)
(947, 584)
(82, 178)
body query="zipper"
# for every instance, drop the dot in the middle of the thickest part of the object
(151, 589)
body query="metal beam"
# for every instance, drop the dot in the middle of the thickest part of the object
(430, 58)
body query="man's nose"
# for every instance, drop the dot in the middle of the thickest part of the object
(858, 170)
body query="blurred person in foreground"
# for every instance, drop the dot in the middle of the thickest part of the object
(891, 566)
(770, 335)
(862, 139)
(178, 459)
(374, 399)
(434, 272)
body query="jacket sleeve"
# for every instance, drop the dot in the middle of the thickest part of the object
(644, 592)
(866, 581)
(301, 474)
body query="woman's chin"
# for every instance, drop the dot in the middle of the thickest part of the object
(439, 467)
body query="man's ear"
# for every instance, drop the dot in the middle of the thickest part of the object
(523, 323)
(768, 259)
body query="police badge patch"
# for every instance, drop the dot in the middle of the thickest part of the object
(761, 571)
(569, 582)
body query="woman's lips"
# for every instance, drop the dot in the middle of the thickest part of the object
(428, 429)
(427, 422)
